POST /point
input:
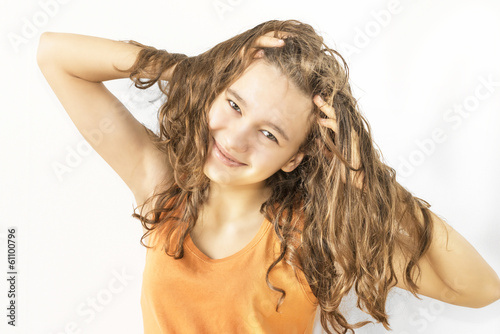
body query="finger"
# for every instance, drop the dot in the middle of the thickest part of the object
(324, 107)
(329, 123)
(268, 42)
(355, 148)
(279, 34)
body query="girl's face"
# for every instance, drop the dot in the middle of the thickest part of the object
(257, 126)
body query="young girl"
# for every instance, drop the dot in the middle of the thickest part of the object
(262, 197)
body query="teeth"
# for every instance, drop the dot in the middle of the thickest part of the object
(227, 156)
(230, 158)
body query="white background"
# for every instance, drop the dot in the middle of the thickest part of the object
(413, 65)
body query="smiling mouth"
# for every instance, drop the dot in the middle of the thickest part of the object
(225, 159)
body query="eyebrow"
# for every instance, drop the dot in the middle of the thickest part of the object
(266, 122)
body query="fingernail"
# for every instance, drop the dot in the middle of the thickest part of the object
(281, 42)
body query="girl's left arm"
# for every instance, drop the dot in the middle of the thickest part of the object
(451, 270)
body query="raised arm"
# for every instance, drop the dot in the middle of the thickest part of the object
(75, 67)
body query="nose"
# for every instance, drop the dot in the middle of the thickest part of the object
(238, 137)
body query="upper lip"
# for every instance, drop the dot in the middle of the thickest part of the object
(223, 150)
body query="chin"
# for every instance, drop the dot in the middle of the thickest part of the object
(213, 173)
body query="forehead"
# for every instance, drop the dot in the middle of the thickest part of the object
(271, 96)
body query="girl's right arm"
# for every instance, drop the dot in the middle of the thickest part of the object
(75, 67)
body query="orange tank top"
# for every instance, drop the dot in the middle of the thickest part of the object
(197, 294)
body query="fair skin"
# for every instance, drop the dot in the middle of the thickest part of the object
(239, 122)
(76, 66)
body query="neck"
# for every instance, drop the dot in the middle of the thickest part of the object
(230, 204)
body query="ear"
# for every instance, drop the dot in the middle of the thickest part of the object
(293, 162)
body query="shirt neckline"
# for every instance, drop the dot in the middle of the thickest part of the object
(202, 256)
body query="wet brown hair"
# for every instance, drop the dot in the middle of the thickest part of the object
(350, 228)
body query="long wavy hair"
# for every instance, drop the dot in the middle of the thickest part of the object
(350, 232)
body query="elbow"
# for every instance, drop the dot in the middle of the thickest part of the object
(44, 47)
(474, 295)
(488, 294)
(494, 295)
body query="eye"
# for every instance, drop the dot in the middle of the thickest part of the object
(266, 133)
(234, 106)
(270, 135)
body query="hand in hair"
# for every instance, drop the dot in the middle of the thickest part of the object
(269, 40)
(331, 123)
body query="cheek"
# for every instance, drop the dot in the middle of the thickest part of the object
(216, 117)
(272, 159)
